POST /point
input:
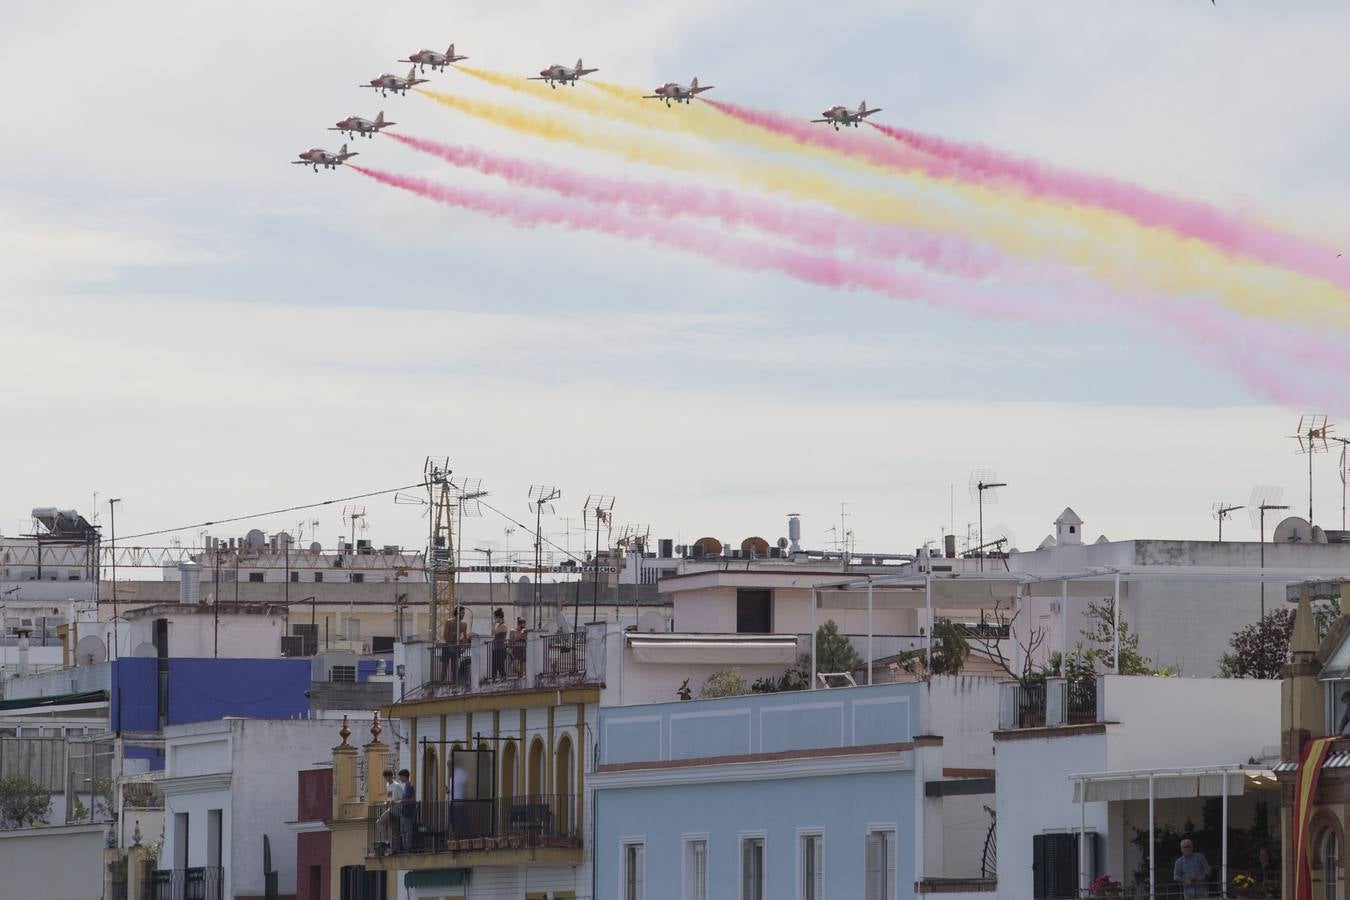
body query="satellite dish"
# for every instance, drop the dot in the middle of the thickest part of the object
(144, 649)
(283, 539)
(755, 546)
(1319, 536)
(1293, 530)
(782, 543)
(255, 538)
(707, 546)
(316, 547)
(524, 579)
(651, 622)
(90, 651)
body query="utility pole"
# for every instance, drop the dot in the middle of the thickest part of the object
(112, 517)
(1262, 508)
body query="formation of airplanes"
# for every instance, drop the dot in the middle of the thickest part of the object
(671, 92)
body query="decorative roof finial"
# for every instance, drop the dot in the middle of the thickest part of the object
(375, 729)
(345, 732)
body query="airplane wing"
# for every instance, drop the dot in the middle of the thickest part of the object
(302, 162)
(652, 97)
(826, 121)
(413, 61)
(538, 78)
(372, 86)
(339, 129)
(869, 112)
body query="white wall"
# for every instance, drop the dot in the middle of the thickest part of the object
(964, 710)
(1035, 796)
(1181, 722)
(63, 862)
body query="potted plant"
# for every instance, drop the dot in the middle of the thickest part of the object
(1103, 886)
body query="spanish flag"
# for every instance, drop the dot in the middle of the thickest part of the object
(1305, 787)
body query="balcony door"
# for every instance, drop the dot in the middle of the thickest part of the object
(754, 611)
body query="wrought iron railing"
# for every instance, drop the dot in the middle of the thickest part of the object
(200, 883)
(502, 663)
(1028, 704)
(450, 664)
(1080, 701)
(564, 657)
(504, 823)
(1168, 891)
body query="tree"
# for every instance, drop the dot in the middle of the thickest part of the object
(996, 629)
(724, 683)
(1100, 636)
(950, 649)
(1260, 649)
(834, 653)
(23, 803)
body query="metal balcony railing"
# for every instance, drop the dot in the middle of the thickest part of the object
(450, 664)
(200, 883)
(1080, 701)
(564, 657)
(503, 823)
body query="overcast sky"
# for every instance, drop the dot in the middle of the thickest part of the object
(199, 328)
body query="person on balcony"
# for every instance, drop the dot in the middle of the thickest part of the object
(385, 824)
(1192, 870)
(517, 640)
(499, 631)
(407, 800)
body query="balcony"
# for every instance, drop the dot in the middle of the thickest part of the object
(201, 883)
(1053, 703)
(479, 665)
(535, 822)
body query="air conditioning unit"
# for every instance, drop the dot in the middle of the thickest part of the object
(292, 645)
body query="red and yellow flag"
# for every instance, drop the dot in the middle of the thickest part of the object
(1305, 787)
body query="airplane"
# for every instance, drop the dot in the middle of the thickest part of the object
(354, 125)
(437, 61)
(842, 115)
(319, 157)
(676, 92)
(398, 85)
(556, 73)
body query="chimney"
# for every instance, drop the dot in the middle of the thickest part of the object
(794, 533)
(23, 649)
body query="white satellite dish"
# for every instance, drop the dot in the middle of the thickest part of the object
(255, 538)
(1293, 530)
(90, 651)
(651, 623)
(145, 650)
(316, 547)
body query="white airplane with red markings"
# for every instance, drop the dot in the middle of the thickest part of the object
(320, 157)
(355, 125)
(437, 61)
(674, 92)
(556, 74)
(395, 83)
(842, 115)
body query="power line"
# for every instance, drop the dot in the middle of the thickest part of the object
(275, 512)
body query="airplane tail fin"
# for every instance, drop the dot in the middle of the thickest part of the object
(694, 84)
(343, 151)
(379, 120)
(412, 73)
(450, 51)
(862, 107)
(579, 65)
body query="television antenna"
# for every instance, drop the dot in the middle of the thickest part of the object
(354, 516)
(635, 537)
(598, 511)
(1344, 471)
(1313, 429)
(1265, 497)
(541, 501)
(1224, 511)
(984, 482)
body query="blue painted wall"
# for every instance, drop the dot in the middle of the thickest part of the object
(202, 690)
(843, 806)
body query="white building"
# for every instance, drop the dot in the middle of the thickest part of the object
(229, 786)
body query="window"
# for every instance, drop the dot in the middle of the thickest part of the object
(1331, 865)
(881, 865)
(696, 869)
(634, 871)
(213, 838)
(752, 868)
(358, 577)
(295, 576)
(255, 577)
(754, 611)
(811, 866)
(318, 576)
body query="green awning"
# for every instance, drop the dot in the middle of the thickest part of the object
(436, 878)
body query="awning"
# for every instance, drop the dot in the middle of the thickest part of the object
(717, 649)
(1337, 759)
(436, 878)
(1112, 786)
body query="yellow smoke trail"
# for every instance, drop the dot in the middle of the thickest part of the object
(1118, 251)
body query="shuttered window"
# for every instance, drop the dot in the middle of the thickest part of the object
(880, 863)
(634, 874)
(812, 865)
(752, 868)
(696, 870)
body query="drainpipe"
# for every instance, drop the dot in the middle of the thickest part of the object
(1152, 844)
(23, 649)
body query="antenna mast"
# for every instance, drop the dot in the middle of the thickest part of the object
(1264, 497)
(1344, 473)
(1223, 511)
(541, 502)
(984, 481)
(598, 511)
(1313, 429)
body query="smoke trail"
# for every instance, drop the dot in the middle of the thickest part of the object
(754, 256)
(972, 162)
(818, 228)
(1133, 259)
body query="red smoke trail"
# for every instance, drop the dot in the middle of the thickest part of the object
(755, 256)
(1208, 327)
(817, 228)
(979, 166)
